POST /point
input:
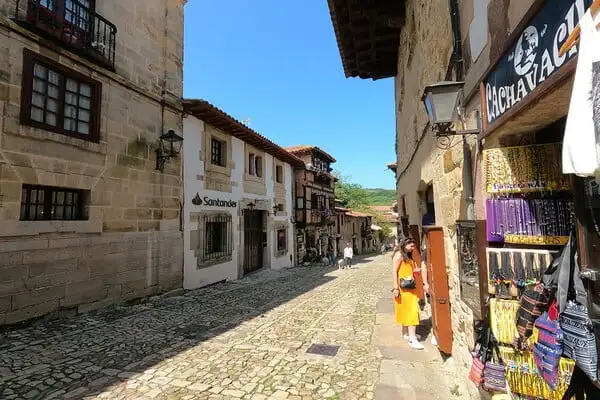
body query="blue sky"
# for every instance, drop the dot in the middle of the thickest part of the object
(277, 63)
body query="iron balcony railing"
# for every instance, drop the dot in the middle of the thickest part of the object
(74, 24)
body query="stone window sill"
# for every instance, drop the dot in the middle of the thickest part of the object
(33, 228)
(213, 262)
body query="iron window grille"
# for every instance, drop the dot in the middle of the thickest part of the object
(74, 24)
(60, 100)
(217, 152)
(42, 203)
(217, 241)
(468, 264)
(281, 240)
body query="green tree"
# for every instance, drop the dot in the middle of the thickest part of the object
(352, 195)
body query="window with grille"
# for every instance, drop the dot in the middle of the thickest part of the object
(217, 237)
(59, 100)
(281, 240)
(217, 152)
(39, 203)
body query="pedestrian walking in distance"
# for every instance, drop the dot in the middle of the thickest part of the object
(348, 254)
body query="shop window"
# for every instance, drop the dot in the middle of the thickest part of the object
(281, 240)
(60, 100)
(258, 166)
(279, 174)
(217, 237)
(39, 203)
(217, 152)
(251, 164)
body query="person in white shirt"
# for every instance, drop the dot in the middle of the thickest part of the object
(348, 254)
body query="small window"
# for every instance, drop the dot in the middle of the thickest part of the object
(60, 100)
(259, 166)
(41, 203)
(281, 240)
(280, 207)
(279, 174)
(299, 202)
(251, 164)
(217, 152)
(217, 237)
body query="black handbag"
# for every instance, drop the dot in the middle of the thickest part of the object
(408, 283)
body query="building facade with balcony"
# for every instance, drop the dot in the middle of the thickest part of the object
(238, 212)
(315, 202)
(87, 88)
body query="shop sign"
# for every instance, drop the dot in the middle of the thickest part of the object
(534, 58)
(206, 201)
(536, 240)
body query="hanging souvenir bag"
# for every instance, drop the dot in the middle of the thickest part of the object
(476, 371)
(494, 372)
(481, 350)
(534, 301)
(579, 340)
(548, 349)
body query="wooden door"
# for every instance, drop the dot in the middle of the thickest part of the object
(253, 240)
(441, 319)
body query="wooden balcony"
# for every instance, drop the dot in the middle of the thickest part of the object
(72, 23)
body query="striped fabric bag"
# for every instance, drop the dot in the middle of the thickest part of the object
(548, 349)
(533, 302)
(578, 338)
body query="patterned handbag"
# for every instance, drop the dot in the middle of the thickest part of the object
(476, 372)
(578, 338)
(533, 302)
(494, 372)
(548, 349)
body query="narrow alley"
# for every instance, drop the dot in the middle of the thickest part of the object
(249, 339)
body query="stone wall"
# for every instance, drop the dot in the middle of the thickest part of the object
(424, 161)
(130, 244)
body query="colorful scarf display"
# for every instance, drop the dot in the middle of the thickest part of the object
(529, 221)
(524, 169)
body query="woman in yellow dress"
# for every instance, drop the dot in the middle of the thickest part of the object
(406, 301)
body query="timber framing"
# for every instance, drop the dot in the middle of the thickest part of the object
(368, 36)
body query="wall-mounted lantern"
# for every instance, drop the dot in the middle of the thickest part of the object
(442, 102)
(169, 147)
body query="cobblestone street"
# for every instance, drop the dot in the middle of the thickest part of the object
(239, 340)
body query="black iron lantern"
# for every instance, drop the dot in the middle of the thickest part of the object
(441, 101)
(169, 147)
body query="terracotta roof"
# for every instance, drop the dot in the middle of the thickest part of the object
(356, 214)
(382, 209)
(212, 115)
(392, 166)
(368, 36)
(341, 209)
(302, 149)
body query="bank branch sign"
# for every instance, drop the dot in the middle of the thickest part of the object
(534, 57)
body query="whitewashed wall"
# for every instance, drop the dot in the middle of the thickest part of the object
(193, 276)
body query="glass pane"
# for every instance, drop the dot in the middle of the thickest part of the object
(49, 4)
(70, 112)
(50, 118)
(70, 98)
(53, 77)
(68, 213)
(84, 103)
(69, 124)
(69, 198)
(71, 85)
(51, 105)
(60, 198)
(37, 114)
(59, 212)
(84, 115)
(23, 214)
(85, 90)
(37, 100)
(53, 91)
(83, 127)
(39, 71)
(39, 85)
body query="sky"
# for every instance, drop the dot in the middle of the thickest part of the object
(277, 64)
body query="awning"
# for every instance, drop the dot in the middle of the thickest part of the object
(376, 227)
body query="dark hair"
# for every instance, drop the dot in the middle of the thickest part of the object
(401, 248)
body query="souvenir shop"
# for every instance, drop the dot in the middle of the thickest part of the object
(539, 337)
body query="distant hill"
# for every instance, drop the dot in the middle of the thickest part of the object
(380, 197)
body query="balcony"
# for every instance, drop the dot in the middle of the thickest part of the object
(72, 23)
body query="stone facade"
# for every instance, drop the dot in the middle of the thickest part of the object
(127, 242)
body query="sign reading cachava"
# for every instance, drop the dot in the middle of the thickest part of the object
(534, 58)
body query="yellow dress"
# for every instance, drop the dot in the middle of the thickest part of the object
(406, 307)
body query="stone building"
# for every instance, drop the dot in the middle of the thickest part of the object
(239, 191)
(315, 200)
(86, 90)
(456, 41)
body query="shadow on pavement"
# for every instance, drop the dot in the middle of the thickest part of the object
(79, 357)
